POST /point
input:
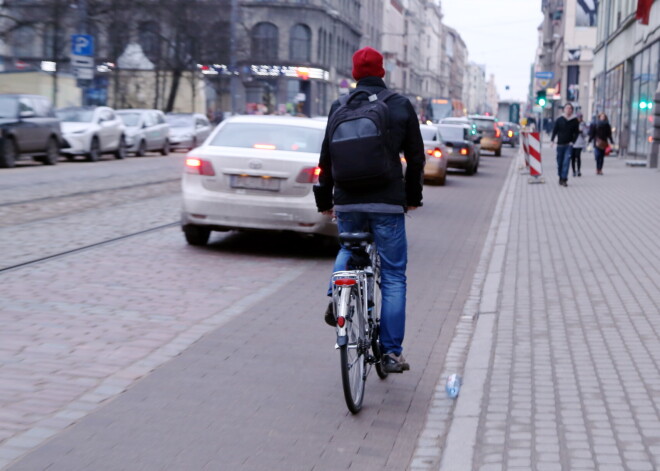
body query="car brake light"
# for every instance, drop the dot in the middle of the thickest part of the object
(309, 175)
(437, 153)
(199, 167)
(264, 146)
(510, 133)
(498, 133)
(464, 151)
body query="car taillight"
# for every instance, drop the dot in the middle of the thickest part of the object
(510, 133)
(309, 175)
(199, 167)
(437, 153)
(498, 133)
(464, 151)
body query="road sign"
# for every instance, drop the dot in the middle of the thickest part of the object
(85, 73)
(544, 83)
(82, 45)
(545, 75)
(82, 62)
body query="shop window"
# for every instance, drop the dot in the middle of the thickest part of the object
(301, 38)
(265, 41)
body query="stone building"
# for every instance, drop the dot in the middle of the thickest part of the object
(474, 89)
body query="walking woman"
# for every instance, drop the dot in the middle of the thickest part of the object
(580, 143)
(602, 136)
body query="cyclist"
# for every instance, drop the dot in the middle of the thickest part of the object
(380, 210)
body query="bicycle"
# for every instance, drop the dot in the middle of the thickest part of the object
(356, 301)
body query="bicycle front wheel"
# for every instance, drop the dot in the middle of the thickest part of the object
(353, 354)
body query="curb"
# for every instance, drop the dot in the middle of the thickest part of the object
(448, 439)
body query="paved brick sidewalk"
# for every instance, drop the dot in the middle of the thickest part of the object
(565, 374)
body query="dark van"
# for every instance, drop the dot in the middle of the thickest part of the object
(29, 128)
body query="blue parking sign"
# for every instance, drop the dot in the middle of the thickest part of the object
(82, 45)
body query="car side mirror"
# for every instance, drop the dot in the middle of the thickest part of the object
(27, 114)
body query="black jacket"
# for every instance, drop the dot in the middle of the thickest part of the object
(405, 136)
(601, 130)
(566, 130)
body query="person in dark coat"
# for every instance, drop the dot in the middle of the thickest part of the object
(566, 130)
(602, 137)
(380, 210)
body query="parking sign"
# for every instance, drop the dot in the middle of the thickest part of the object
(82, 45)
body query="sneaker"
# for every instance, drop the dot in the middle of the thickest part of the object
(393, 363)
(579, 174)
(574, 174)
(329, 316)
(564, 183)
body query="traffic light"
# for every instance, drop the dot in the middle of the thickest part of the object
(541, 98)
(645, 104)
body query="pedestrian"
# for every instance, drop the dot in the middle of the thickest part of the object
(580, 143)
(601, 136)
(566, 129)
(378, 207)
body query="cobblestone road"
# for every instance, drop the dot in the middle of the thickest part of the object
(225, 344)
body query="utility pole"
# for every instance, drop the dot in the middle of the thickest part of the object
(607, 40)
(233, 78)
(82, 28)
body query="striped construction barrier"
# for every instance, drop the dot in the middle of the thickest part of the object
(533, 153)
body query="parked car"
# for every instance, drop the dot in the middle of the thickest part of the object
(255, 172)
(510, 133)
(462, 147)
(188, 130)
(490, 133)
(463, 120)
(146, 130)
(435, 169)
(29, 128)
(92, 131)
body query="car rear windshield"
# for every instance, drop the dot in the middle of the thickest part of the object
(269, 137)
(428, 134)
(8, 107)
(131, 120)
(180, 121)
(451, 133)
(484, 124)
(75, 116)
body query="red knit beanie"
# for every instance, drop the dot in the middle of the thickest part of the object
(367, 62)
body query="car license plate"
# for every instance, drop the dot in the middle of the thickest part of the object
(255, 183)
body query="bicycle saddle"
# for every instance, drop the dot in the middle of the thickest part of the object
(355, 239)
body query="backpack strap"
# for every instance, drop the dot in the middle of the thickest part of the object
(385, 94)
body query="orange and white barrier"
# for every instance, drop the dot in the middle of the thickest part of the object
(532, 146)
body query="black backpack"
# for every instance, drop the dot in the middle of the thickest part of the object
(358, 137)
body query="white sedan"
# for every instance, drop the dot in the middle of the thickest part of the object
(254, 173)
(92, 131)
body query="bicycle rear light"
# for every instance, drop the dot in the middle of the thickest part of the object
(344, 282)
(341, 321)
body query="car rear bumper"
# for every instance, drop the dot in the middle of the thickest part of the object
(225, 211)
(435, 168)
(491, 143)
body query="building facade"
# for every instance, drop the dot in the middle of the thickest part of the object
(625, 72)
(474, 89)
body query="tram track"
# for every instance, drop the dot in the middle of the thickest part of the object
(90, 192)
(87, 247)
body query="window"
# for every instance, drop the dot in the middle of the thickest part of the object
(301, 38)
(23, 42)
(25, 105)
(265, 41)
(117, 39)
(149, 38)
(218, 47)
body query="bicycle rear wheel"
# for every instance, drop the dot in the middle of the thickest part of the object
(375, 313)
(352, 355)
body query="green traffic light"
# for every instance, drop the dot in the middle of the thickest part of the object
(642, 105)
(541, 101)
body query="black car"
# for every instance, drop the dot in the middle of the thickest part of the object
(463, 146)
(29, 128)
(510, 134)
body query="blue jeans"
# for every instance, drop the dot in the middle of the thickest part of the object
(564, 160)
(599, 154)
(389, 232)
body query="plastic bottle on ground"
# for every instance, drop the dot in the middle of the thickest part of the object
(453, 386)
